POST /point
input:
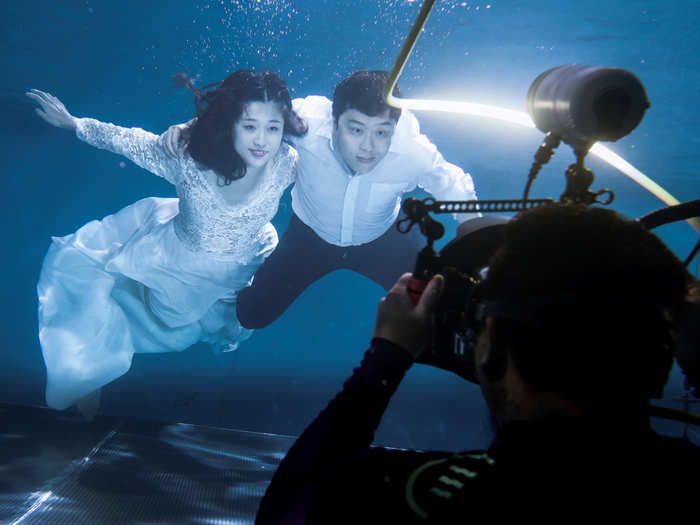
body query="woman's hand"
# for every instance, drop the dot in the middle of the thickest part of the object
(51, 109)
(403, 324)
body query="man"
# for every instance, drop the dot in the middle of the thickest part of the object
(579, 309)
(357, 159)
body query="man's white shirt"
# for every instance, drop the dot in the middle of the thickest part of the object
(349, 210)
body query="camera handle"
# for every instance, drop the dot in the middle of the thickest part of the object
(427, 265)
(427, 261)
(578, 177)
(578, 181)
(417, 212)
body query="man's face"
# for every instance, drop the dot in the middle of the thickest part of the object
(363, 140)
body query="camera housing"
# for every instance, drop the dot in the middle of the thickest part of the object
(457, 320)
(579, 105)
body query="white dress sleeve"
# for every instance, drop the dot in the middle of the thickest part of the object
(141, 147)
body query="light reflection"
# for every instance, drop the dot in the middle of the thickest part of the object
(43, 496)
(466, 108)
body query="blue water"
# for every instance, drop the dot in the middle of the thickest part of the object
(114, 61)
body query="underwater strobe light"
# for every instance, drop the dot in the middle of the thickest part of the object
(585, 104)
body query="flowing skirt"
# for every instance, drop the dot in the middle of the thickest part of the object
(127, 284)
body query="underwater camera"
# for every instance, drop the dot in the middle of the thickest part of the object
(576, 104)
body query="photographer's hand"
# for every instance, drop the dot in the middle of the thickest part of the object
(402, 323)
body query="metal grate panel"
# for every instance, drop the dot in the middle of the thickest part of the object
(63, 470)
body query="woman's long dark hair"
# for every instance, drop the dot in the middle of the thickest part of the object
(211, 135)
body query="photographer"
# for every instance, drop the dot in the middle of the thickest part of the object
(579, 311)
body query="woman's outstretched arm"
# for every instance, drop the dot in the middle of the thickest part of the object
(141, 147)
(52, 110)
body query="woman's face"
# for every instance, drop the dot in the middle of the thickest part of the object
(257, 135)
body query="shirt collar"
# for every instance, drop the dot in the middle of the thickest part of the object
(336, 153)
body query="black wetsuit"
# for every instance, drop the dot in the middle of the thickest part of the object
(550, 471)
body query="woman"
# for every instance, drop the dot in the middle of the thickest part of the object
(162, 274)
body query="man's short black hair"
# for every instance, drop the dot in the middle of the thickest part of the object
(607, 290)
(363, 91)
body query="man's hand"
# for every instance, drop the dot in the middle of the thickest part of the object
(403, 324)
(173, 140)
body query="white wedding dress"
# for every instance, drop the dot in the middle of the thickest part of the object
(158, 275)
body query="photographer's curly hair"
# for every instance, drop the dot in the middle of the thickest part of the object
(211, 136)
(615, 337)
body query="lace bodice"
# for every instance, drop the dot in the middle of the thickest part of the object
(206, 222)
